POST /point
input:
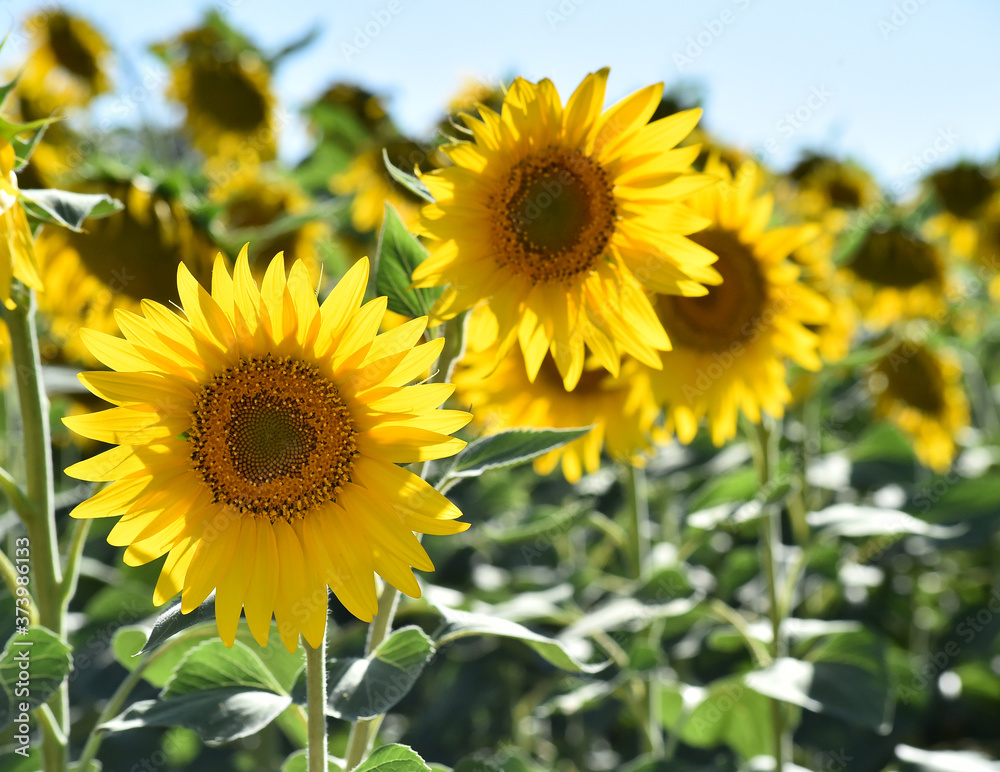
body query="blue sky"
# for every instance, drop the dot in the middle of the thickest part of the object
(901, 85)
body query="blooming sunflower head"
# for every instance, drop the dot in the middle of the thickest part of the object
(730, 345)
(555, 216)
(70, 59)
(920, 390)
(965, 192)
(896, 274)
(621, 409)
(226, 91)
(17, 247)
(257, 440)
(120, 261)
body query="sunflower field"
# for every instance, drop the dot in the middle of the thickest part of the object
(567, 435)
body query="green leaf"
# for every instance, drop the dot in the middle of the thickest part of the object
(510, 448)
(462, 624)
(393, 758)
(397, 256)
(408, 181)
(368, 687)
(32, 667)
(10, 130)
(844, 676)
(944, 761)
(172, 621)
(217, 715)
(68, 209)
(297, 762)
(213, 665)
(855, 520)
(727, 712)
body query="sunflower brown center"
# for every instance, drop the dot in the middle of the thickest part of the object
(911, 374)
(963, 190)
(69, 50)
(730, 311)
(224, 92)
(272, 438)
(896, 258)
(554, 215)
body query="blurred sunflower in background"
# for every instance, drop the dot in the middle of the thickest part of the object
(895, 274)
(274, 214)
(556, 218)
(730, 346)
(986, 257)
(829, 191)
(119, 261)
(257, 441)
(621, 409)
(919, 389)
(963, 192)
(69, 62)
(224, 84)
(370, 185)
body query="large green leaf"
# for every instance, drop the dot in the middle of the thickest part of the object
(462, 624)
(408, 181)
(32, 667)
(397, 256)
(856, 520)
(724, 712)
(393, 758)
(213, 665)
(846, 676)
(509, 448)
(217, 715)
(370, 686)
(66, 208)
(921, 760)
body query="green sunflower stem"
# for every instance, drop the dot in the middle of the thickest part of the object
(765, 442)
(637, 502)
(363, 731)
(316, 705)
(46, 576)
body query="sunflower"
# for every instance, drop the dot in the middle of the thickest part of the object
(987, 251)
(274, 210)
(69, 60)
(896, 274)
(827, 190)
(730, 345)
(257, 447)
(920, 390)
(621, 409)
(17, 248)
(557, 217)
(368, 181)
(118, 262)
(964, 192)
(227, 94)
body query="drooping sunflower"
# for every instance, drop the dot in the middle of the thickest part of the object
(920, 390)
(964, 192)
(226, 91)
(368, 181)
(118, 262)
(17, 248)
(70, 60)
(730, 346)
(270, 209)
(896, 274)
(557, 218)
(621, 409)
(257, 447)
